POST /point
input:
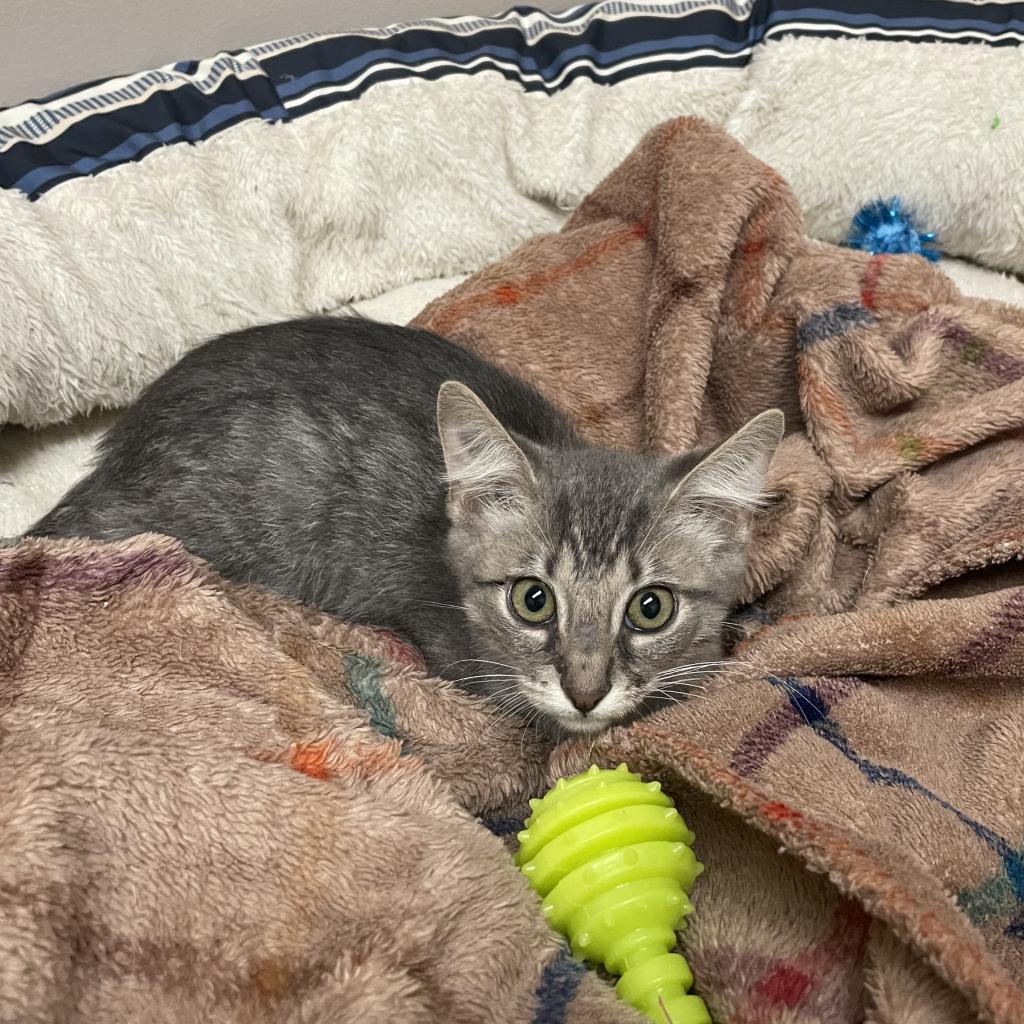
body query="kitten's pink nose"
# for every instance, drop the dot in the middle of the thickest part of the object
(585, 698)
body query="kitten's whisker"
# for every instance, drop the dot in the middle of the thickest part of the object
(503, 683)
(504, 713)
(505, 705)
(526, 727)
(684, 674)
(507, 696)
(442, 604)
(680, 702)
(683, 699)
(479, 661)
(663, 691)
(695, 666)
(689, 678)
(491, 675)
(512, 690)
(509, 704)
(796, 698)
(508, 707)
(700, 664)
(498, 675)
(693, 718)
(680, 698)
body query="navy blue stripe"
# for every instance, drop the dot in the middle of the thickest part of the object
(838, 319)
(557, 989)
(339, 59)
(52, 175)
(676, 63)
(341, 68)
(816, 711)
(106, 140)
(526, 62)
(989, 18)
(831, 32)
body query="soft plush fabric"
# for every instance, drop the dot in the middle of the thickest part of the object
(877, 698)
(215, 806)
(109, 280)
(332, 168)
(902, 130)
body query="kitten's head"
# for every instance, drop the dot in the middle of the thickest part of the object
(594, 581)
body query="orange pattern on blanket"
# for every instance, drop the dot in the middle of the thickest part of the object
(510, 292)
(312, 759)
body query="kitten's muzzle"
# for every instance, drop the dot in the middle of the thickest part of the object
(585, 697)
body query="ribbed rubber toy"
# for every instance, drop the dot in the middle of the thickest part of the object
(610, 856)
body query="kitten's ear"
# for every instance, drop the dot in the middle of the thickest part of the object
(728, 484)
(485, 467)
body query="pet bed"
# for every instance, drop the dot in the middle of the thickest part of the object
(377, 169)
(140, 215)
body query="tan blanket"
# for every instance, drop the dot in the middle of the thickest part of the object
(216, 807)
(874, 727)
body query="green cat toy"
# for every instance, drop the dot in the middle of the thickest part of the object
(610, 856)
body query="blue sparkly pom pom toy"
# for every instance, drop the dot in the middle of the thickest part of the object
(885, 227)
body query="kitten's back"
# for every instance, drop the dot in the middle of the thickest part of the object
(304, 457)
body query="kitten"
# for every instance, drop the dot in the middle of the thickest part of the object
(394, 479)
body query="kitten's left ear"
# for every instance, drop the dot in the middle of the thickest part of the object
(728, 484)
(486, 469)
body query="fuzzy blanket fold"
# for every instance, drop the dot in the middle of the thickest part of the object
(878, 687)
(217, 807)
(213, 809)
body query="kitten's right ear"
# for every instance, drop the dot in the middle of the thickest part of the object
(486, 469)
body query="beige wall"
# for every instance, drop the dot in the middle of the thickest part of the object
(46, 45)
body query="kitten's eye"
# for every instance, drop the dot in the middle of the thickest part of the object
(650, 608)
(532, 600)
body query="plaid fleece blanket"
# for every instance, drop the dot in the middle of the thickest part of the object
(215, 807)
(872, 728)
(218, 807)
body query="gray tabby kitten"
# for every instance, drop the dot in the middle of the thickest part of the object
(394, 479)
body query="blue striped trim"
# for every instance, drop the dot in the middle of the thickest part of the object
(91, 129)
(37, 125)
